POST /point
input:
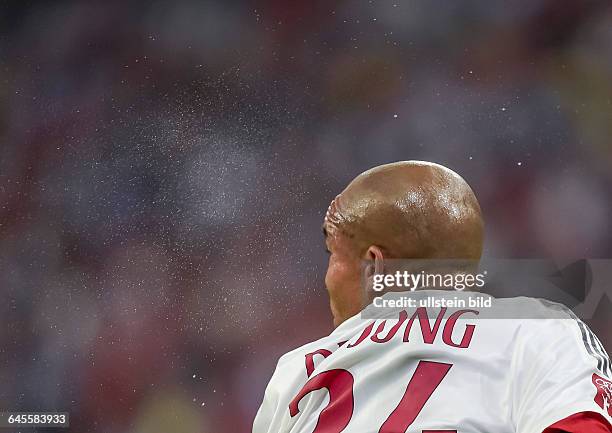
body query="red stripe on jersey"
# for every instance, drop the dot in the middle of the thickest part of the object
(581, 422)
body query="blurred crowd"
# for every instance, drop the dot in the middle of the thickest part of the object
(165, 168)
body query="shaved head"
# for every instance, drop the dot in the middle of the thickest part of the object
(403, 210)
(410, 209)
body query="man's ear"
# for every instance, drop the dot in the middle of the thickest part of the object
(375, 255)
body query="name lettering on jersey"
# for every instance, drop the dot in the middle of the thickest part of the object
(428, 332)
(310, 359)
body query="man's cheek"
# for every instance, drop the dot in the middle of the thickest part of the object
(336, 275)
(335, 287)
(329, 278)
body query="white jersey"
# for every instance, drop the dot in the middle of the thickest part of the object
(444, 370)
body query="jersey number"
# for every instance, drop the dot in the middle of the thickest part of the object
(339, 383)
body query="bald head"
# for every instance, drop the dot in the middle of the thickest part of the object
(410, 209)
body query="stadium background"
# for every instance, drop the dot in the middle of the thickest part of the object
(165, 167)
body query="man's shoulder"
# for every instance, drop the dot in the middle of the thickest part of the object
(332, 341)
(299, 352)
(537, 308)
(530, 319)
(537, 318)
